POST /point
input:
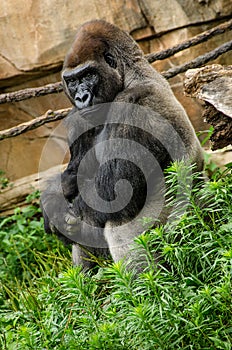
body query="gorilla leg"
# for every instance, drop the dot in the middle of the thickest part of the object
(88, 256)
(120, 239)
(121, 248)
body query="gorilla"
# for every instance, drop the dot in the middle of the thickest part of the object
(125, 128)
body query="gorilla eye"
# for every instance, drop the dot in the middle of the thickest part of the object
(110, 60)
(71, 80)
(89, 76)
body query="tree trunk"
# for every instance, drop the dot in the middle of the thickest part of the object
(213, 85)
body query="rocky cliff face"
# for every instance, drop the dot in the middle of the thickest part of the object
(36, 34)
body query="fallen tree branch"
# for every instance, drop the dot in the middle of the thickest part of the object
(213, 85)
(16, 193)
(48, 117)
(57, 87)
(25, 94)
(222, 124)
(200, 38)
(199, 61)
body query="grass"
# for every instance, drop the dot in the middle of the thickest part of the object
(48, 304)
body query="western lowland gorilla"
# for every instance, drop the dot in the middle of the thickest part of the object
(125, 128)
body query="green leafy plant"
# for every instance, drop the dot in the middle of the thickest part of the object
(183, 303)
(4, 181)
(208, 133)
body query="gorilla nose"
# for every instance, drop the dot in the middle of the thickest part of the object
(82, 99)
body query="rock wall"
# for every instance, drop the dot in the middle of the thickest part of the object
(36, 34)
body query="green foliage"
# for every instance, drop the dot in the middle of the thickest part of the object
(185, 303)
(208, 133)
(4, 181)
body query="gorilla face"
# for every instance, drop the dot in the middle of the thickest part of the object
(97, 80)
(95, 68)
(82, 86)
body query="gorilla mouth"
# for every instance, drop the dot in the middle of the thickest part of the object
(83, 99)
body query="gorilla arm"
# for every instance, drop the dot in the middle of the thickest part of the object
(56, 200)
(61, 216)
(81, 136)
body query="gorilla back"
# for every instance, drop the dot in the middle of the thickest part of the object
(126, 126)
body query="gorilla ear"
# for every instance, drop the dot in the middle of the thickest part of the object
(110, 60)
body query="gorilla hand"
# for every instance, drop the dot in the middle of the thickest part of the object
(58, 213)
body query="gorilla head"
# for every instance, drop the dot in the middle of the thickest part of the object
(100, 50)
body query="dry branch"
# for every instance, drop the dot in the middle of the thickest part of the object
(199, 61)
(25, 94)
(48, 117)
(200, 38)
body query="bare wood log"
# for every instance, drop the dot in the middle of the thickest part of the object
(25, 94)
(57, 87)
(209, 84)
(222, 134)
(48, 117)
(15, 194)
(199, 61)
(200, 38)
(213, 85)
